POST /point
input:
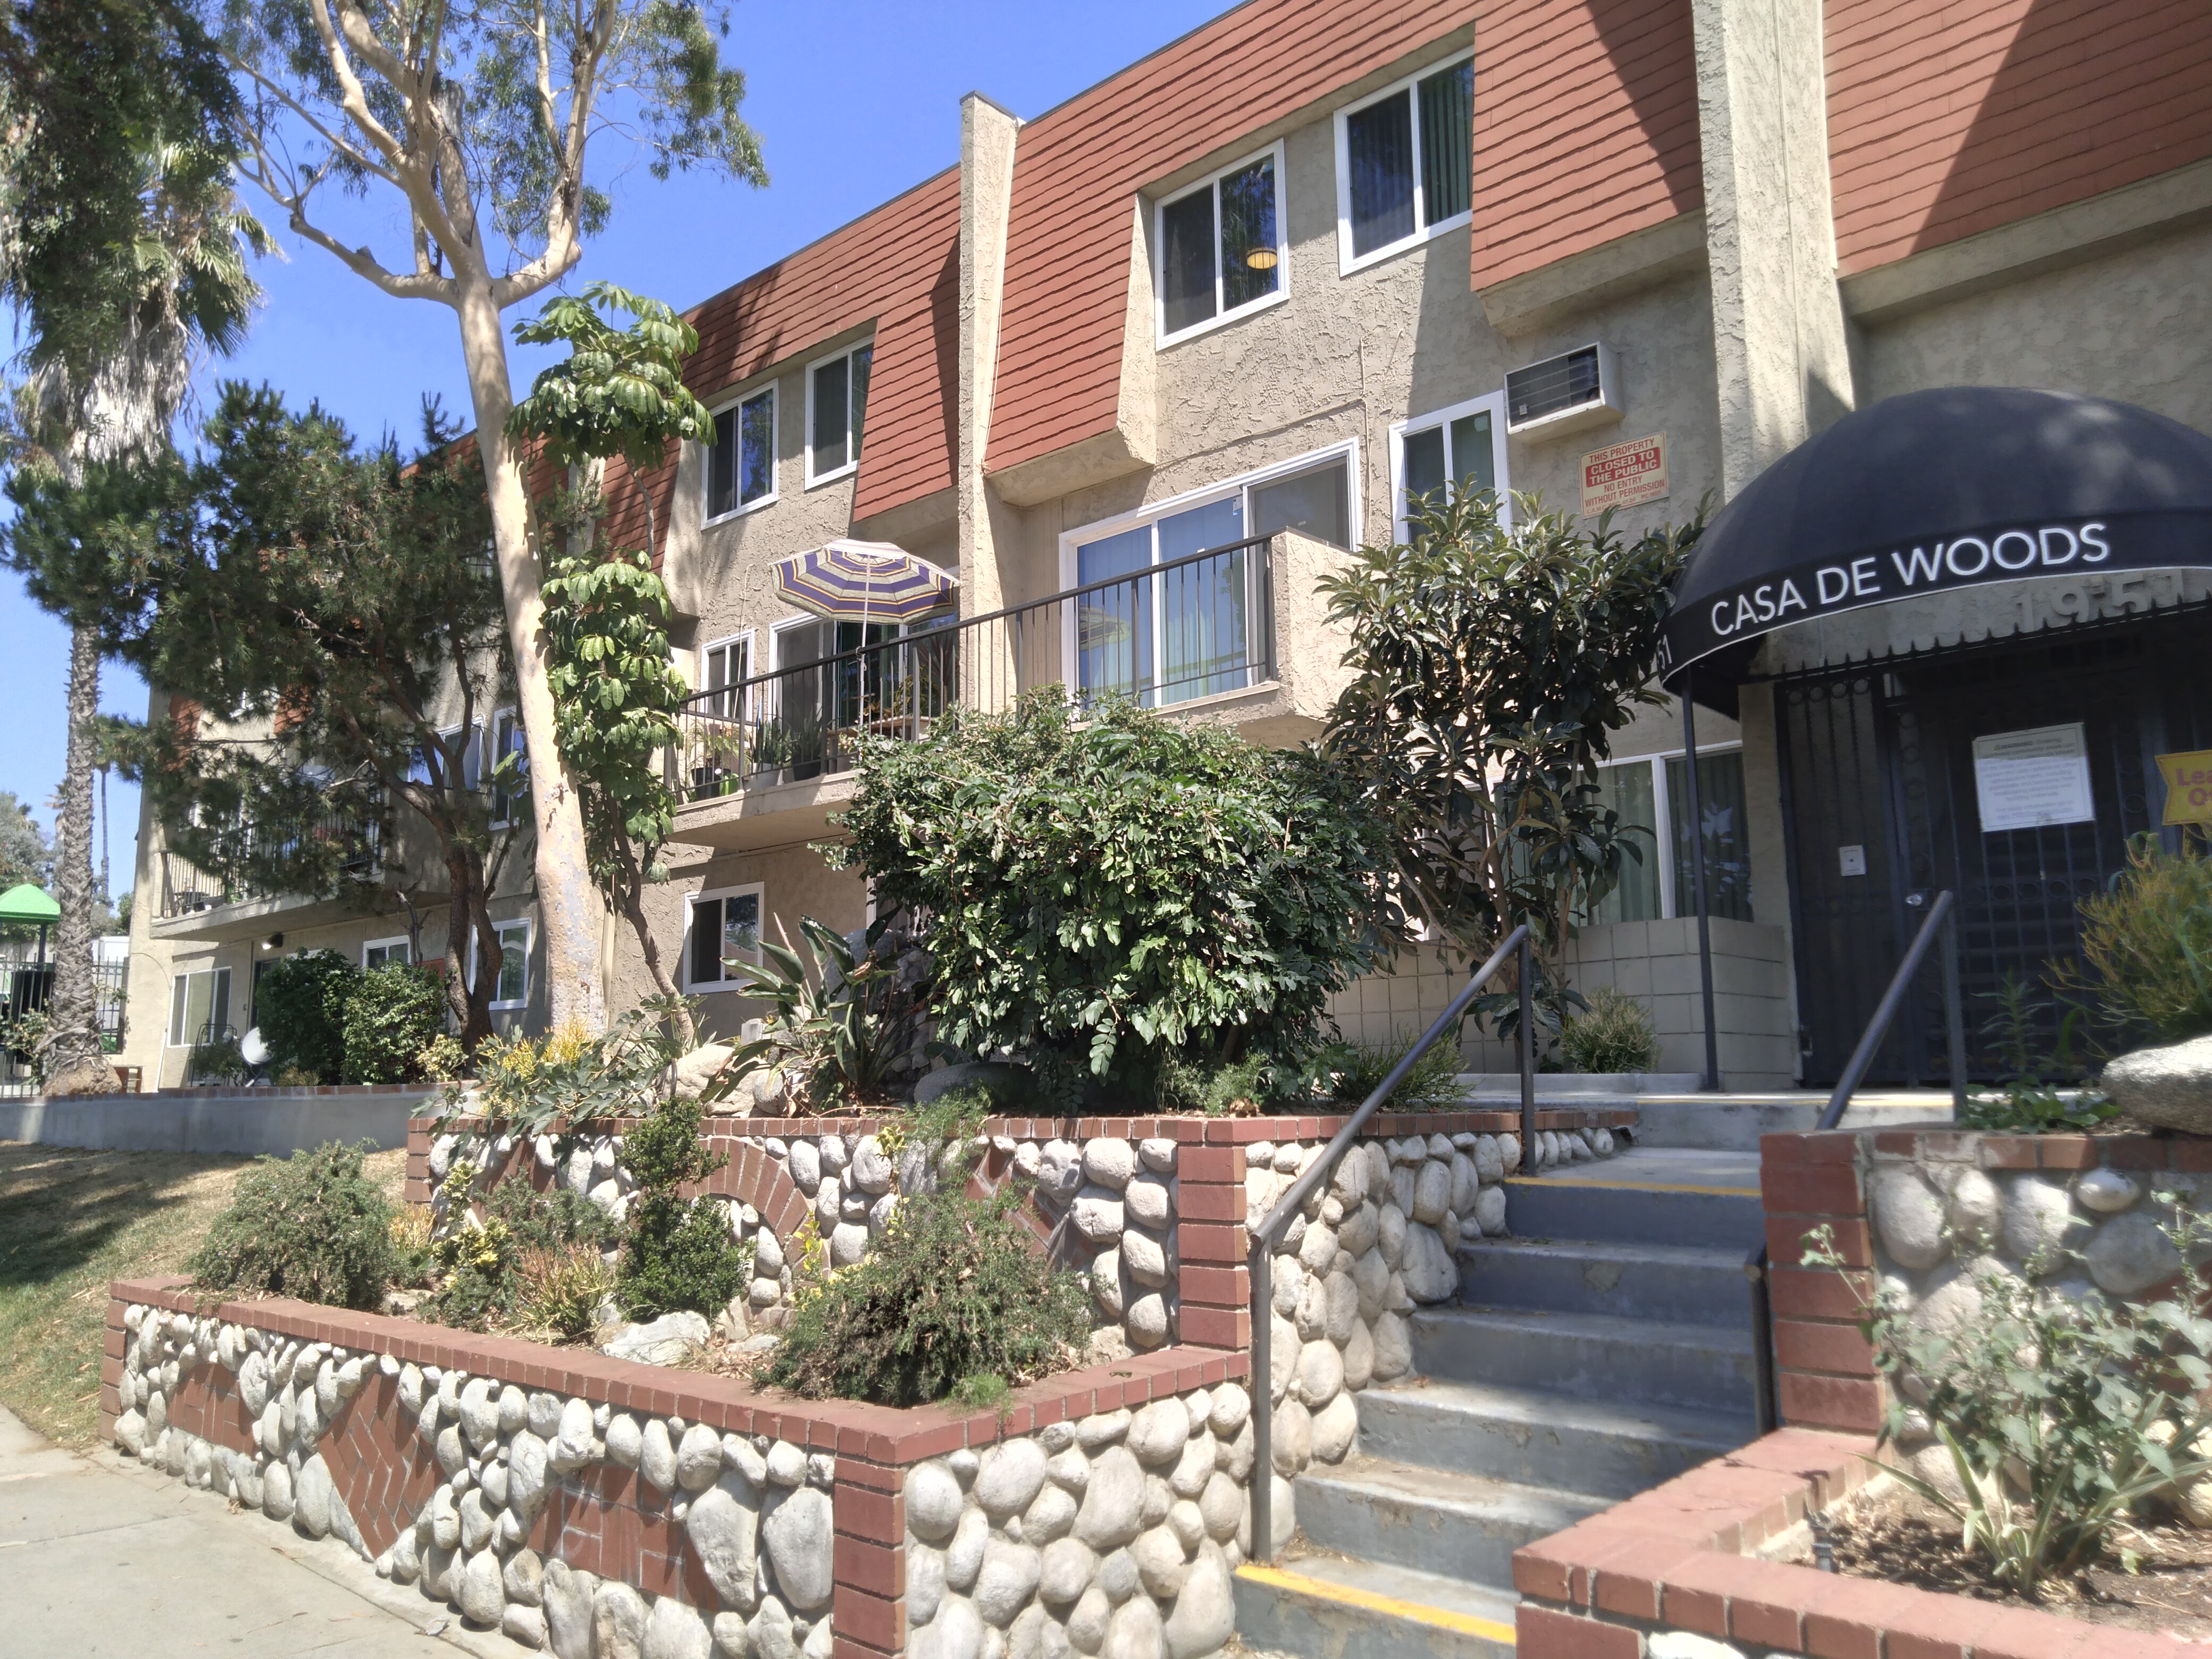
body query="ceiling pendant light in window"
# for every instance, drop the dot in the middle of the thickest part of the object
(1261, 259)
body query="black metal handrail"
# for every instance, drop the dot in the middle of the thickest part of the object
(1261, 1259)
(1942, 923)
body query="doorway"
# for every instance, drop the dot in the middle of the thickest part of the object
(1895, 786)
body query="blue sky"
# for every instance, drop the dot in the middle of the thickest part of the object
(854, 101)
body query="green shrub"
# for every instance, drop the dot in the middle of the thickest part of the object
(562, 1290)
(300, 1005)
(311, 1226)
(219, 1061)
(2025, 1103)
(2148, 939)
(1350, 1072)
(1098, 895)
(954, 1292)
(392, 1016)
(1613, 1033)
(677, 1253)
(481, 1281)
(2060, 1417)
(852, 1028)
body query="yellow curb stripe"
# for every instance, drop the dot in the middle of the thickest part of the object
(1631, 1187)
(1367, 1602)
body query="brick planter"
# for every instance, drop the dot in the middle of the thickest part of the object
(1880, 1191)
(1680, 1557)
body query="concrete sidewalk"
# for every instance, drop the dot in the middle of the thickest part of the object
(102, 1556)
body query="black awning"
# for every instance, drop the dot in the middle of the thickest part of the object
(1931, 491)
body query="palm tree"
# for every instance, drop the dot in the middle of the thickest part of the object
(108, 369)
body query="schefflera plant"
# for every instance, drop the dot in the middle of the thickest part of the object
(2061, 1416)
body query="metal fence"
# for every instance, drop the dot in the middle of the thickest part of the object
(188, 888)
(1191, 628)
(24, 988)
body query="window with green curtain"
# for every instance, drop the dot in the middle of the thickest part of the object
(1727, 841)
(1447, 142)
(1627, 789)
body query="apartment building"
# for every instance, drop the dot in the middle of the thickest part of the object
(1141, 366)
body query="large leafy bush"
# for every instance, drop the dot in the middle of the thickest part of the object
(392, 1016)
(299, 1005)
(1102, 896)
(311, 1226)
(954, 1295)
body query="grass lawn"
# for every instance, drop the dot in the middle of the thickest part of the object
(71, 1221)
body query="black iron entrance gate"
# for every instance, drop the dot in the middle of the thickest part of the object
(1882, 810)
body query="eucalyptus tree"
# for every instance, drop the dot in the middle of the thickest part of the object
(123, 253)
(619, 393)
(479, 121)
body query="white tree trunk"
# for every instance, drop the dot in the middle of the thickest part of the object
(74, 1062)
(567, 903)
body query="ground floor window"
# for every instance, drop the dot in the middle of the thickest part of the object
(719, 924)
(199, 1007)
(379, 951)
(1654, 789)
(511, 989)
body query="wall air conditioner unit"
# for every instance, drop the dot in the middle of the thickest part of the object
(1566, 393)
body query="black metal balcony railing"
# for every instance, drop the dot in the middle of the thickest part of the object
(188, 888)
(1191, 628)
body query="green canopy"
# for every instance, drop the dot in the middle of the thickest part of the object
(28, 902)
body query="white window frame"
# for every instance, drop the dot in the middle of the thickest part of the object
(1492, 402)
(1221, 316)
(1662, 808)
(369, 945)
(1346, 263)
(1347, 449)
(170, 1039)
(852, 461)
(699, 663)
(768, 390)
(691, 902)
(529, 939)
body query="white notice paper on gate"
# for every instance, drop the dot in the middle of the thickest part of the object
(2038, 776)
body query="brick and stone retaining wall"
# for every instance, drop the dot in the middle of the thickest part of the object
(1674, 1573)
(1929, 1212)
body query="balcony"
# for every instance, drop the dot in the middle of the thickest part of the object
(201, 902)
(1195, 637)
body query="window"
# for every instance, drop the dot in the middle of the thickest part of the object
(510, 780)
(1462, 448)
(721, 924)
(511, 989)
(419, 771)
(1654, 789)
(723, 667)
(199, 1007)
(741, 464)
(379, 951)
(1219, 248)
(1190, 632)
(836, 398)
(1404, 164)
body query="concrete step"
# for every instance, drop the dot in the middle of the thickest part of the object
(1589, 1356)
(1462, 1526)
(1689, 1284)
(1537, 1439)
(1323, 1607)
(1563, 1204)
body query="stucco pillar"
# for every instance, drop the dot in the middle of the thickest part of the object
(1779, 337)
(987, 136)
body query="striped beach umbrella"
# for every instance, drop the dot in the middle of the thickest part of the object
(864, 581)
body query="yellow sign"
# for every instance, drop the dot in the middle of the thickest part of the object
(2188, 786)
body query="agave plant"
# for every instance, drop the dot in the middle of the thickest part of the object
(852, 1026)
